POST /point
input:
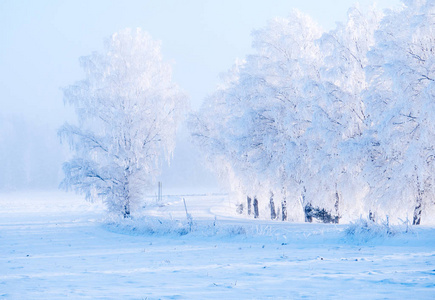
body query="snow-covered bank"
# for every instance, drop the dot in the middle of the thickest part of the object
(55, 246)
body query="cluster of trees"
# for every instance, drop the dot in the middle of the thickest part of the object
(329, 126)
(313, 125)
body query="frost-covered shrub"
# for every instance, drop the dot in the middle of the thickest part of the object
(320, 214)
(365, 230)
(147, 226)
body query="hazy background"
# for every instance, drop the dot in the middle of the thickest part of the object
(41, 41)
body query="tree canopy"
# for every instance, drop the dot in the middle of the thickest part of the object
(128, 111)
(338, 123)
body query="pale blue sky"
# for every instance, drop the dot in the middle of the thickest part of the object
(41, 41)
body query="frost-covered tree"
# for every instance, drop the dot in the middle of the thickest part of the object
(260, 113)
(332, 124)
(286, 64)
(400, 103)
(335, 157)
(290, 112)
(128, 110)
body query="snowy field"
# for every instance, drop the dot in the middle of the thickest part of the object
(55, 246)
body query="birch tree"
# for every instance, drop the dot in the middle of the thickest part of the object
(336, 156)
(128, 110)
(262, 112)
(402, 112)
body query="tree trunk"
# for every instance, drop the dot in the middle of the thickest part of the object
(417, 212)
(336, 218)
(127, 209)
(284, 209)
(249, 205)
(272, 207)
(418, 204)
(307, 208)
(239, 209)
(284, 204)
(126, 194)
(372, 216)
(256, 214)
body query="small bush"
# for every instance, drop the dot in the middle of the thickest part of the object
(163, 227)
(320, 214)
(148, 226)
(365, 230)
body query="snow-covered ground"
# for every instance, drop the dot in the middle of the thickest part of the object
(55, 246)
